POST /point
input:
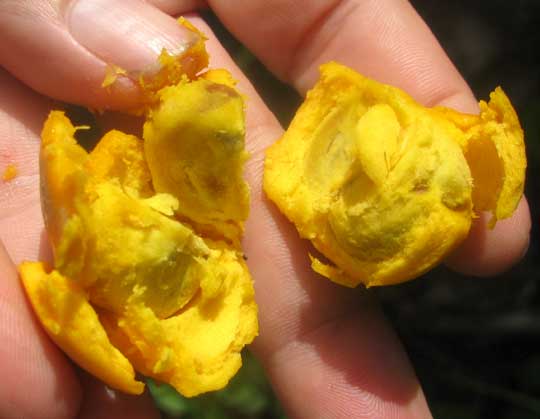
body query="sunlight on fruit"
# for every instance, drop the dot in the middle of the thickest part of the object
(148, 274)
(385, 188)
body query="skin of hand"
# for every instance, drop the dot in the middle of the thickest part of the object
(327, 350)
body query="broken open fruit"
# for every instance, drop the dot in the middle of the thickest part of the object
(148, 271)
(385, 188)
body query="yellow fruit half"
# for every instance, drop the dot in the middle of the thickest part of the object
(385, 188)
(149, 275)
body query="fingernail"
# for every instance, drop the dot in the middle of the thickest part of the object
(128, 33)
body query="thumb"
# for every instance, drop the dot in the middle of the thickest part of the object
(62, 48)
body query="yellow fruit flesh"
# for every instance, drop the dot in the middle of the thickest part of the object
(10, 173)
(64, 311)
(192, 140)
(147, 258)
(385, 188)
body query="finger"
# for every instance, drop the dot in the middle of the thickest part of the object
(328, 351)
(104, 403)
(384, 39)
(38, 380)
(73, 42)
(478, 257)
(388, 41)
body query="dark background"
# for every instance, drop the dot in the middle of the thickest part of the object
(473, 342)
(476, 343)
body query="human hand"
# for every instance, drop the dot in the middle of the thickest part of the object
(328, 350)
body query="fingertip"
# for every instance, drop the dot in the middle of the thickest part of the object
(66, 52)
(54, 64)
(488, 252)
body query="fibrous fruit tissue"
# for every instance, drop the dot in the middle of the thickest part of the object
(148, 272)
(385, 188)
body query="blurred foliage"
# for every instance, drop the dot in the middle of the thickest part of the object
(474, 343)
(248, 396)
